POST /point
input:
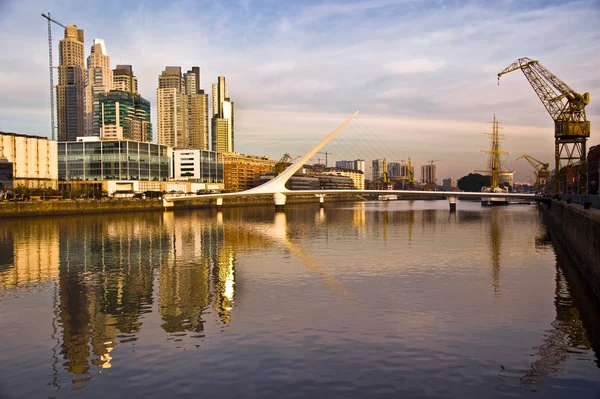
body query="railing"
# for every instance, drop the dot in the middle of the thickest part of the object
(592, 200)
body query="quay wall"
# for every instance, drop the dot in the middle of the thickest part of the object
(76, 207)
(579, 230)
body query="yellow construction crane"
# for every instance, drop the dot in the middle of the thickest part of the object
(567, 109)
(385, 179)
(283, 163)
(541, 171)
(411, 175)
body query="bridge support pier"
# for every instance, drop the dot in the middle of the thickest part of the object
(219, 203)
(321, 199)
(279, 201)
(452, 202)
(167, 205)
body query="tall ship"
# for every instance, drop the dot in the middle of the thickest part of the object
(495, 167)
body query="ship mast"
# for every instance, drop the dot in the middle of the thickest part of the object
(494, 163)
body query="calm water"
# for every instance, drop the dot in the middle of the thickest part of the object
(366, 299)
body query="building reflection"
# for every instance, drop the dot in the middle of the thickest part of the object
(576, 328)
(29, 253)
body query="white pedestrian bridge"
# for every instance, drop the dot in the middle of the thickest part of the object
(276, 186)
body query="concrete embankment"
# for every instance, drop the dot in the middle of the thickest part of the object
(579, 230)
(80, 207)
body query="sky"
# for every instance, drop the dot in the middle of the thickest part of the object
(423, 73)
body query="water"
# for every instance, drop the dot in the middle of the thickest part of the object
(358, 299)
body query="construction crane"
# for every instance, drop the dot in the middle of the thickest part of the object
(541, 170)
(326, 154)
(567, 109)
(50, 63)
(411, 175)
(283, 163)
(435, 160)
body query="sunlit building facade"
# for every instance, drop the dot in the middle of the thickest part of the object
(70, 91)
(124, 116)
(34, 159)
(223, 133)
(197, 165)
(99, 80)
(241, 171)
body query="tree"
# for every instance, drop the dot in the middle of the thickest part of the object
(474, 182)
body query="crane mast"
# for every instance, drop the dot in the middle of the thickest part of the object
(50, 62)
(567, 108)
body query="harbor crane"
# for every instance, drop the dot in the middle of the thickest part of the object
(567, 109)
(283, 163)
(50, 62)
(541, 171)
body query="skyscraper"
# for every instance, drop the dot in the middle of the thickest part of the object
(393, 169)
(196, 111)
(70, 91)
(223, 118)
(377, 169)
(171, 109)
(428, 173)
(99, 80)
(124, 79)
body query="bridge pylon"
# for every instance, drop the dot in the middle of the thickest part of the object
(279, 201)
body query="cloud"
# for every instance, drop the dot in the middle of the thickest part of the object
(417, 65)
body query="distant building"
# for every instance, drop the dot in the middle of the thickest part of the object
(200, 166)
(428, 175)
(240, 171)
(298, 181)
(344, 164)
(124, 116)
(223, 133)
(593, 164)
(377, 166)
(124, 79)
(357, 177)
(6, 175)
(34, 159)
(404, 170)
(393, 169)
(447, 184)
(112, 165)
(99, 80)
(70, 91)
(506, 177)
(357, 164)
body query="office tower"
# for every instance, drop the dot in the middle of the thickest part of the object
(404, 170)
(428, 173)
(377, 166)
(223, 118)
(171, 109)
(124, 79)
(196, 111)
(70, 91)
(124, 116)
(99, 80)
(393, 169)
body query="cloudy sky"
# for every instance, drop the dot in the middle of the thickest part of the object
(423, 73)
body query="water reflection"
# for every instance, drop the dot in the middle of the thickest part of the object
(115, 279)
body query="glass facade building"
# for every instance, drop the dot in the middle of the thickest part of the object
(112, 160)
(6, 174)
(125, 116)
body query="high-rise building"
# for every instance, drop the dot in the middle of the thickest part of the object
(223, 118)
(428, 174)
(377, 166)
(124, 79)
(171, 109)
(70, 91)
(196, 111)
(124, 116)
(393, 169)
(99, 80)
(447, 184)
(404, 170)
